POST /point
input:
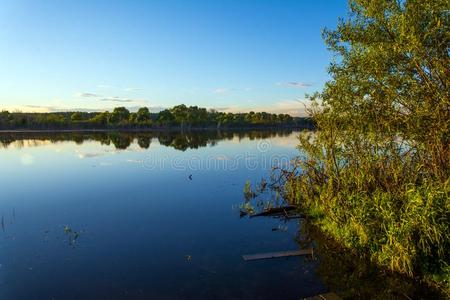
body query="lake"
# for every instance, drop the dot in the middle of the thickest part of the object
(145, 216)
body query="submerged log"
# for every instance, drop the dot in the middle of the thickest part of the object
(269, 255)
(275, 211)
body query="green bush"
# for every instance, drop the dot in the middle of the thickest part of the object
(376, 172)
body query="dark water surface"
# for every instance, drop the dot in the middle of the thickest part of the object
(116, 216)
(156, 216)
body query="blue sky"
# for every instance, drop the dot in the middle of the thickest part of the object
(231, 55)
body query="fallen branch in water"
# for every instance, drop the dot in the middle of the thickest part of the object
(269, 255)
(278, 211)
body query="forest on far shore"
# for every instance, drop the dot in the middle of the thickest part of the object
(180, 116)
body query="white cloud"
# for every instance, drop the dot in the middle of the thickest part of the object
(127, 89)
(92, 107)
(294, 108)
(220, 91)
(88, 95)
(117, 99)
(227, 90)
(295, 84)
(132, 89)
(47, 109)
(111, 98)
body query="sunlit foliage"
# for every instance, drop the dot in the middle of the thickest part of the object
(376, 172)
(180, 116)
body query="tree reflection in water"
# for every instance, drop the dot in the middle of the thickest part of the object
(122, 140)
(352, 277)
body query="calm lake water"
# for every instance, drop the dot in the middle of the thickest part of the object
(112, 216)
(144, 216)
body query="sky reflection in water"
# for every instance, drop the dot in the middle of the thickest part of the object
(112, 216)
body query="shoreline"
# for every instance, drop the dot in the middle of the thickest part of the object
(168, 129)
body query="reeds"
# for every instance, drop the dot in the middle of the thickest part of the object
(381, 202)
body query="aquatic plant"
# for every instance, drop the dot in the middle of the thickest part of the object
(262, 185)
(72, 235)
(246, 209)
(248, 192)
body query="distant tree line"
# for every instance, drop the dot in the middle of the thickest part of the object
(180, 116)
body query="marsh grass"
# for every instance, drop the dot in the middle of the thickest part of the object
(382, 202)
